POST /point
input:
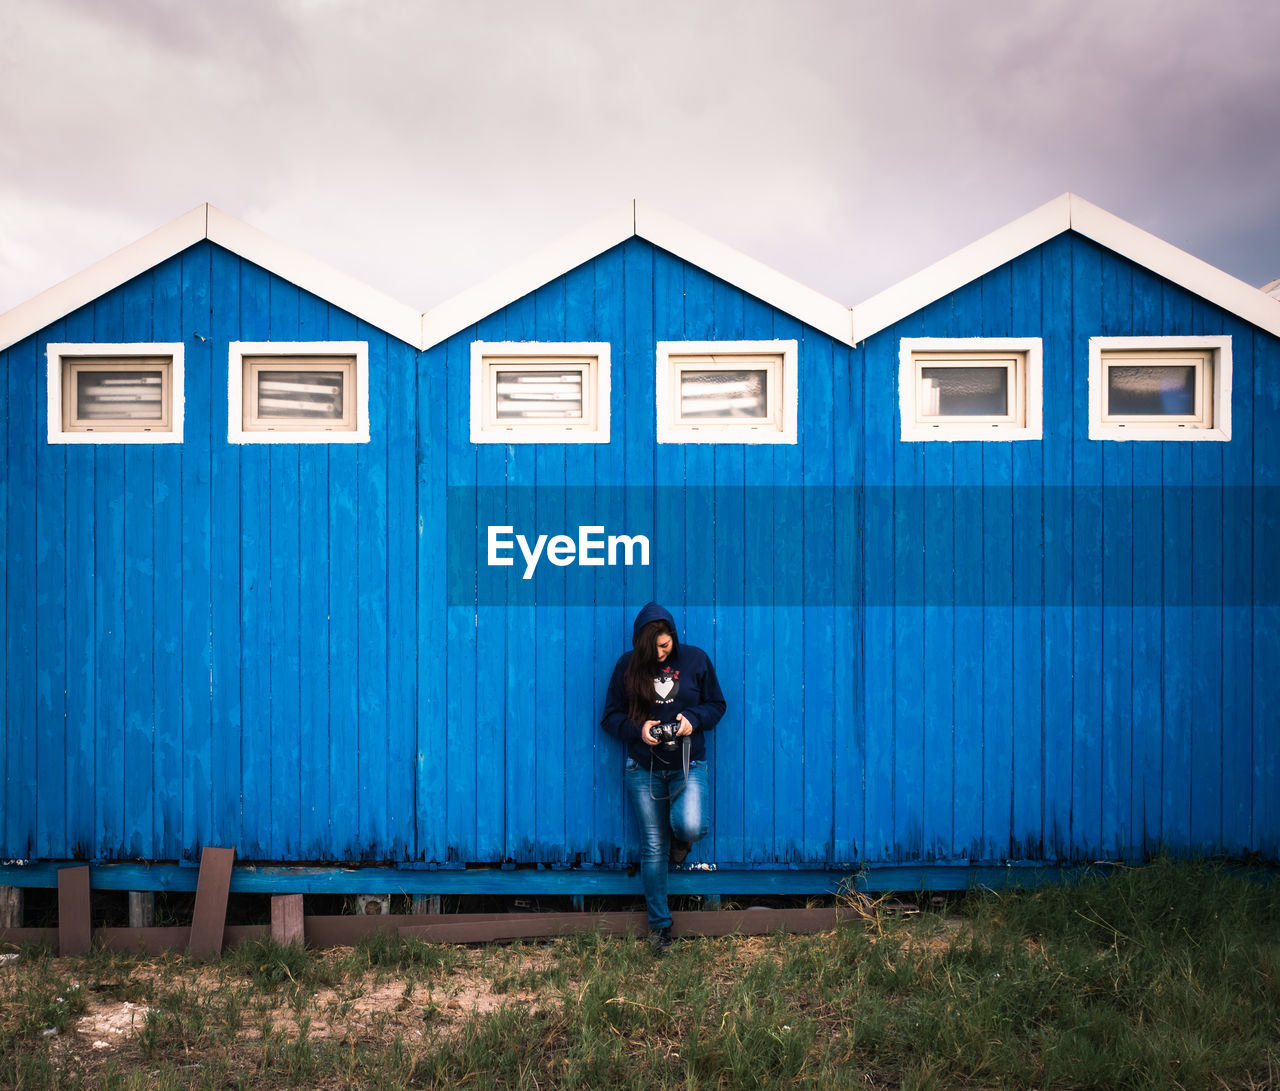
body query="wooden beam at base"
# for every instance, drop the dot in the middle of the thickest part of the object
(155, 941)
(348, 930)
(761, 922)
(529, 926)
(209, 917)
(75, 936)
(16, 937)
(287, 920)
(738, 922)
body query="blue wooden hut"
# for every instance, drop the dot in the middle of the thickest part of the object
(987, 564)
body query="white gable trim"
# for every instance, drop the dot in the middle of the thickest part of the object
(314, 276)
(86, 286)
(754, 278)
(469, 307)
(1165, 259)
(954, 272)
(207, 222)
(1065, 213)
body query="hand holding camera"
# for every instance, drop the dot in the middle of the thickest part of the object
(666, 733)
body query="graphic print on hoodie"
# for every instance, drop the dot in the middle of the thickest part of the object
(666, 686)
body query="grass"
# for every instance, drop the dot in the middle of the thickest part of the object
(1163, 976)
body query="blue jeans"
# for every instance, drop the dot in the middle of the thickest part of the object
(685, 816)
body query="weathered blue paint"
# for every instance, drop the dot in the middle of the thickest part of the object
(991, 656)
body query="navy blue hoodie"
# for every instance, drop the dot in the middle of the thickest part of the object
(686, 683)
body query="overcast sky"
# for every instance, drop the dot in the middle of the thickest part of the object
(422, 146)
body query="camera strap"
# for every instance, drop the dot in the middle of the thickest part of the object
(685, 758)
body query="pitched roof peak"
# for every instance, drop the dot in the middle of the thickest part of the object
(635, 219)
(1069, 212)
(207, 222)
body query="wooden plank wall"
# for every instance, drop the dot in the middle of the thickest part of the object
(983, 652)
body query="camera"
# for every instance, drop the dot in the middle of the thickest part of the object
(666, 733)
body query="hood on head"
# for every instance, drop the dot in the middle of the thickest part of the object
(651, 611)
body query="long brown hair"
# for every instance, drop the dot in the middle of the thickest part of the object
(641, 669)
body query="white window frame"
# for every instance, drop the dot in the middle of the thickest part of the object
(1214, 390)
(783, 390)
(592, 357)
(299, 351)
(59, 355)
(1024, 423)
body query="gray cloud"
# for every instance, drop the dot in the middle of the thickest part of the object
(421, 146)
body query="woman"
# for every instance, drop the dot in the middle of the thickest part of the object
(661, 681)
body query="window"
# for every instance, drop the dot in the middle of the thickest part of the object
(981, 388)
(102, 393)
(539, 392)
(727, 391)
(1160, 388)
(305, 392)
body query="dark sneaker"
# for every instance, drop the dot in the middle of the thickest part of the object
(679, 850)
(661, 940)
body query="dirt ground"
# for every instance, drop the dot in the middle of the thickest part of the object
(374, 1005)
